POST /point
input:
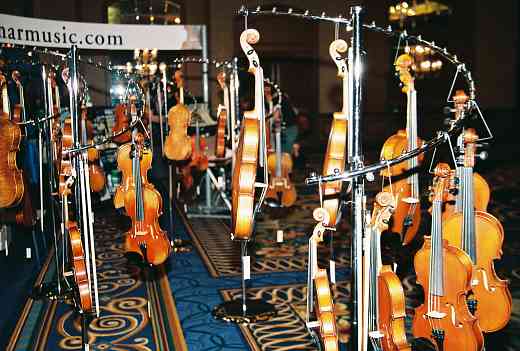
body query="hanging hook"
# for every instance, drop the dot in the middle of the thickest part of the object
(488, 130)
(459, 69)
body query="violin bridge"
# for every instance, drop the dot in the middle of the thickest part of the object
(436, 314)
(261, 185)
(410, 200)
(313, 324)
(376, 334)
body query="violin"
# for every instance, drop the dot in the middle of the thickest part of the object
(79, 268)
(407, 215)
(335, 156)
(125, 165)
(23, 213)
(121, 123)
(199, 159)
(482, 192)
(96, 173)
(386, 303)
(220, 145)
(481, 236)
(143, 204)
(444, 272)
(177, 144)
(280, 188)
(11, 178)
(246, 157)
(324, 303)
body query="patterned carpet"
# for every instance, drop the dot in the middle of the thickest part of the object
(222, 256)
(137, 312)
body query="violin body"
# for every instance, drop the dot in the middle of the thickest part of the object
(392, 311)
(220, 145)
(244, 176)
(177, 145)
(281, 187)
(79, 267)
(335, 158)
(97, 177)
(146, 238)
(121, 122)
(11, 179)
(325, 311)
(124, 164)
(492, 293)
(461, 328)
(404, 214)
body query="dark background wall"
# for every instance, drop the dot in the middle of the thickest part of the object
(484, 34)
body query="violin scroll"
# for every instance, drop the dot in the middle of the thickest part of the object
(337, 47)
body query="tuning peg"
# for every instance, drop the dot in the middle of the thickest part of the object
(483, 155)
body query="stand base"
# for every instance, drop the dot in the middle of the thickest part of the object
(50, 291)
(181, 246)
(232, 311)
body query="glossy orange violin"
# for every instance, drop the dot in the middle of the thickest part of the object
(177, 145)
(407, 215)
(444, 272)
(386, 305)
(323, 301)
(336, 154)
(480, 235)
(11, 178)
(246, 157)
(482, 192)
(220, 144)
(121, 123)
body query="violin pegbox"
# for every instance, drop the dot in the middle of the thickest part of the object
(336, 48)
(248, 38)
(403, 66)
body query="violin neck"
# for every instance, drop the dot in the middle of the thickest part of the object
(411, 132)
(139, 202)
(468, 213)
(375, 265)
(346, 96)
(181, 95)
(5, 101)
(278, 147)
(436, 283)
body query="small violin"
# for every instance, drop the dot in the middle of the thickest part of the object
(407, 216)
(143, 204)
(386, 304)
(281, 190)
(121, 123)
(444, 272)
(324, 302)
(11, 178)
(199, 160)
(246, 157)
(77, 257)
(177, 145)
(335, 156)
(220, 145)
(96, 173)
(480, 235)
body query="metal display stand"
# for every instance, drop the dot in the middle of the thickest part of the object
(357, 171)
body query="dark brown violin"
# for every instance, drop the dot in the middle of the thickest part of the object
(77, 257)
(121, 123)
(407, 216)
(11, 178)
(220, 144)
(335, 156)
(199, 160)
(444, 272)
(480, 235)
(143, 204)
(386, 304)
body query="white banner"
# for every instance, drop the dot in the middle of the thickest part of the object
(63, 34)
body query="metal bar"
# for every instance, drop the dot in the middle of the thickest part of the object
(205, 81)
(351, 174)
(358, 186)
